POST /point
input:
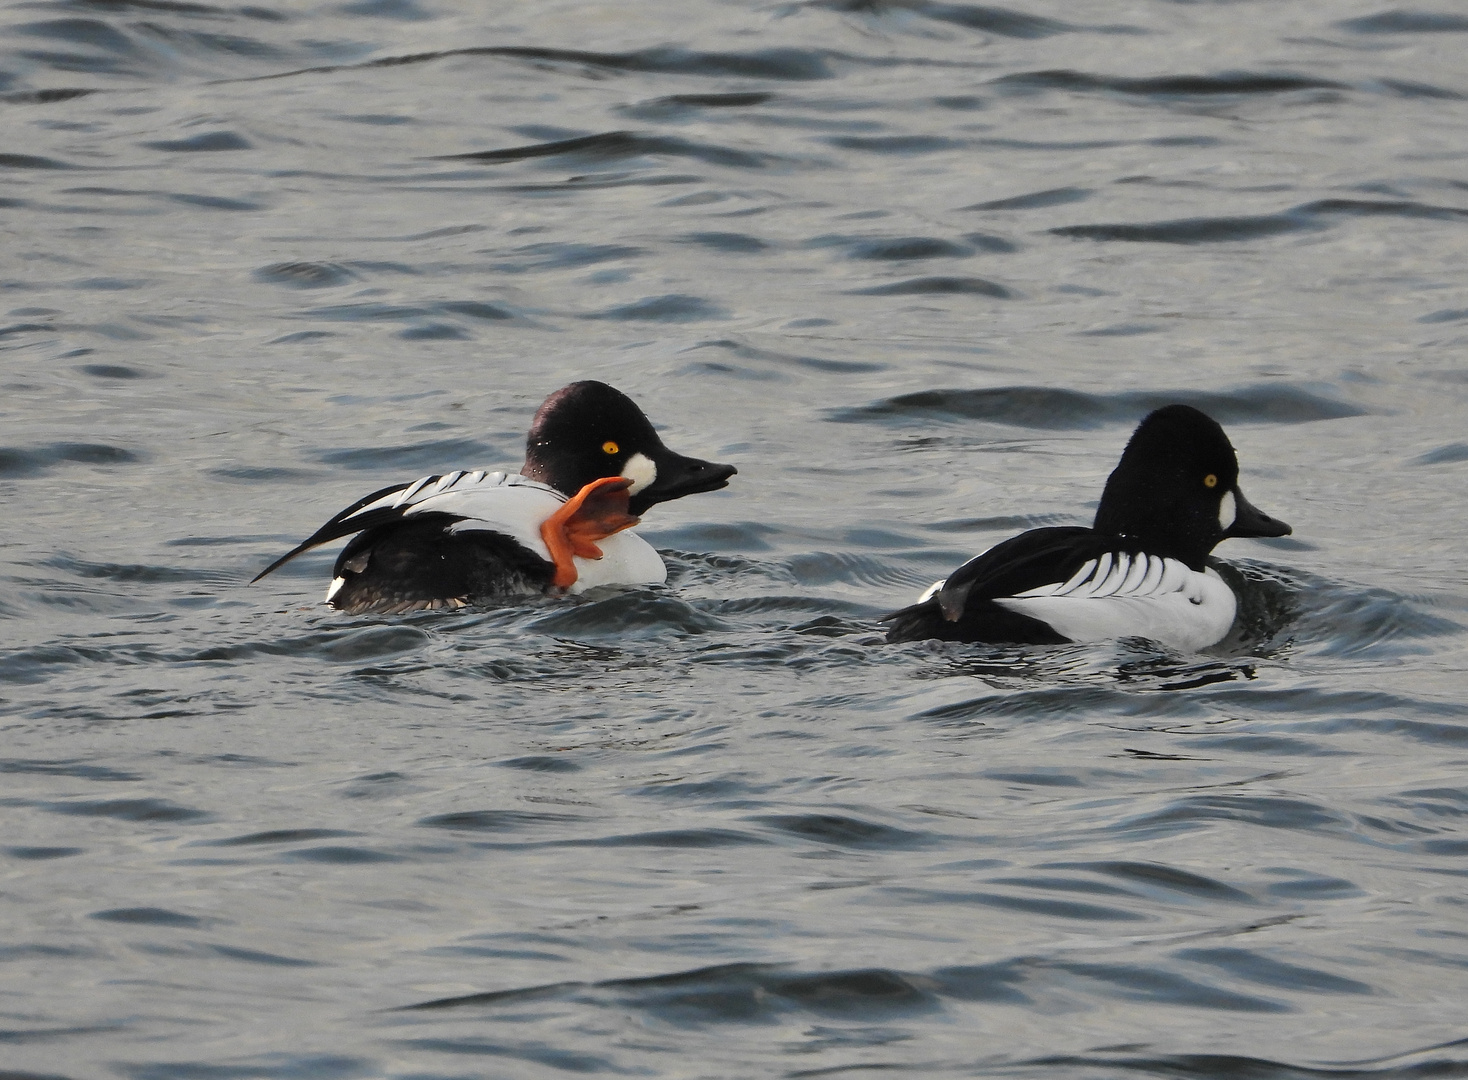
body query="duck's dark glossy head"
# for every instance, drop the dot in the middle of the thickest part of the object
(589, 430)
(1176, 489)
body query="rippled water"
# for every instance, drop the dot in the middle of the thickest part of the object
(916, 268)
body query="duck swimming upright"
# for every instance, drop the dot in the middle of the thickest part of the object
(593, 466)
(1139, 571)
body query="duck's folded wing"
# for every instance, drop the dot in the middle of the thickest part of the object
(1056, 585)
(1030, 560)
(1118, 573)
(1127, 593)
(500, 502)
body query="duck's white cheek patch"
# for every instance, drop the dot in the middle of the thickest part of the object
(641, 471)
(1228, 509)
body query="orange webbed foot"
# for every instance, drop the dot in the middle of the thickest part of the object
(595, 512)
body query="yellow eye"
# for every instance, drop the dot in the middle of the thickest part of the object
(1210, 481)
(610, 447)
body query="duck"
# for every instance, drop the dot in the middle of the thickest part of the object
(593, 466)
(1140, 571)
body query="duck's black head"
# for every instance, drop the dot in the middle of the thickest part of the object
(1176, 489)
(589, 430)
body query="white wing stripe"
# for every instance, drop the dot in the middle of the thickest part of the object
(932, 591)
(1140, 564)
(1069, 586)
(1155, 569)
(414, 495)
(1065, 588)
(1121, 574)
(411, 490)
(1114, 580)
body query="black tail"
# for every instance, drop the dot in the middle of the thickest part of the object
(338, 526)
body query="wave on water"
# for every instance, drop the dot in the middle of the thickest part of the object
(1036, 200)
(780, 63)
(1199, 90)
(424, 455)
(27, 462)
(915, 266)
(1402, 21)
(1057, 409)
(618, 145)
(1219, 979)
(1234, 82)
(1303, 218)
(940, 286)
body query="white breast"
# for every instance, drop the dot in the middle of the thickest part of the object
(626, 559)
(1121, 595)
(515, 506)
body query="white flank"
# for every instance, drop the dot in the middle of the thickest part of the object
(641, 471)
(1121, 595)
(331, 590)
(627, 559)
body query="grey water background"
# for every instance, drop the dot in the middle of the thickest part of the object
(917, 269)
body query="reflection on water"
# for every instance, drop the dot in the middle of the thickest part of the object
(917, 269)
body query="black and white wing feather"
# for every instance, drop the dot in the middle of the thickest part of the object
(1134, 594)
(1072, 584)
(1027, 561)
(388, 505)
(463, 495)
(462, 533)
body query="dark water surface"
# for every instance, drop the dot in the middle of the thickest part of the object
(916, 268)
